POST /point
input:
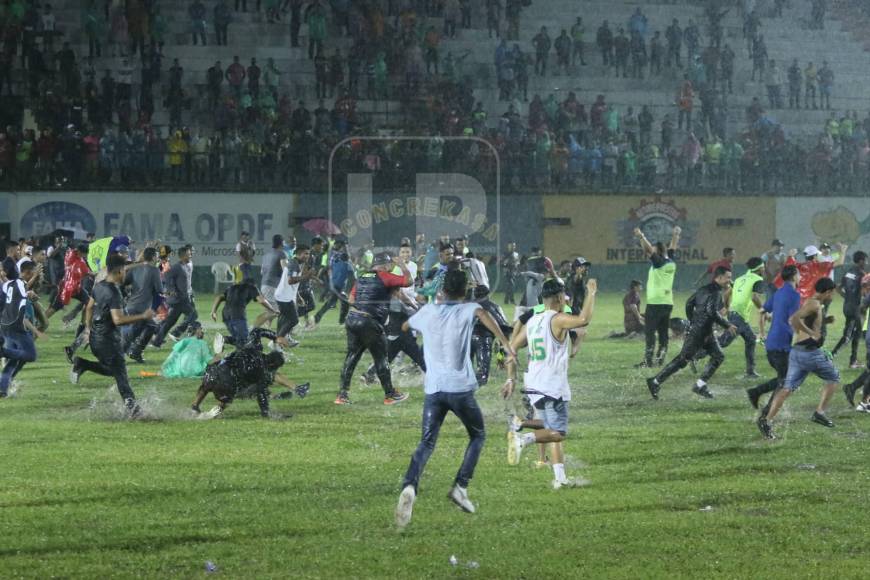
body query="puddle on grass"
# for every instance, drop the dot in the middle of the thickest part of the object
(110, 407)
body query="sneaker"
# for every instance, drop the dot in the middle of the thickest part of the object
(821, 419)
(134, 411)
(541, 464)
(343, 398)
(406, 506)
(302, 390)
(310, 325)
(195, 409)
(863, 408)
(754, 396)
(765, 428)
(515, 423)
(75, 373)
(292, 342)
(570, 482)
(172, 337)
(751, 375)
(849, 391)
(459, 496)
(643, 365)
(855, 365)
(136, 357)
(702, 391)
(69, 352)
(218, 343)
(653, 388)
(515, 448)
(395, 397)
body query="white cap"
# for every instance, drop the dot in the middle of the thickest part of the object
(811, 251)
(28, 250)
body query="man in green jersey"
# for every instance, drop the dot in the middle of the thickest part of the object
(659, 294)
(747, 300)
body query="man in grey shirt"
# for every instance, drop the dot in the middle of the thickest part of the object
(271, 275)
(143, 280)
(177, 296)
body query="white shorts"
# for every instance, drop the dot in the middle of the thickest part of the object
(268, 293)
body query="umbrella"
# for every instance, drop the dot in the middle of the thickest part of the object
(321, 227)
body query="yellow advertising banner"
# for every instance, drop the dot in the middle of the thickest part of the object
(600, 227)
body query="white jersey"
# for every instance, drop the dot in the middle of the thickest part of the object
(548, 360)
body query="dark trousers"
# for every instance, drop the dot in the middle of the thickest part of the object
(692, 346)
(140, 335)
(481, 354)
(745, 332)
(238, 329)
(307, 297)
(509, 288)
(288, 319)
(175, 312)
(331, 300)
(366, 334)
(400, 342)
(657, 317)
(435, 408)
(778, 360)
(851, 334)
(19, 349)
(110, 363)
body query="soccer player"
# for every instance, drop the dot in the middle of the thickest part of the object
(370, 299)
(177, 297)
(246, 368)
(103, 315)
(807, 356)
(546, 382)
(481, 338)
(449, 386)
(850, 290)
(784, 302)
(704, 311)
(234, 315)
(16, 332)
(143, 279)
(747, 300)
(659, 294)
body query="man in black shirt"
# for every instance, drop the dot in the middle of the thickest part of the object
(704, 309)
(237, 297)
(177, 297)
(143, 279)
(16, 342)
(103, 315)
(850, 290)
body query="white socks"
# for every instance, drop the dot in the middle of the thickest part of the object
(559, 471)
(527, 439)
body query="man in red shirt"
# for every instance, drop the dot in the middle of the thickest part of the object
(812, 270)
(727, 262)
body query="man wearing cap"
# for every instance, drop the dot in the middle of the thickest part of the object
(370, 301)
(774, 260)
(659, 294)
(704, 311)
(577, 283)
(850, 290)
(747, 300)
(813, 269)
(546, 382)
(246, 250)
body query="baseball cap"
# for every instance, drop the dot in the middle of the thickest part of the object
(811, 251)
(777, 242)
(382, 258)
(825, 246)
(581, 261)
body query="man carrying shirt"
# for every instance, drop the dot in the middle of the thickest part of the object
(449, 386)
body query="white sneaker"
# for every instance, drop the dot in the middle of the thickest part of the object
(74, 376)
(863, 408)
(515, 447)
(291, 342)
(515, 423)
(218, 343)
(570, 482)
(459, 496)
(310, 325)
(406, 506)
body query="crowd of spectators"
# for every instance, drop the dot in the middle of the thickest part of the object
(241, 128)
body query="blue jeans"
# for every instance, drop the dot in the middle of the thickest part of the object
(19, 349)
(238, 331)
(803, 362)
(435, 408)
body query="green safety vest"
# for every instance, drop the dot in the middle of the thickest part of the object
(660, 284)
(741, 295)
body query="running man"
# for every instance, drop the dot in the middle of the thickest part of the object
(270, 273)
(659, 294)
(850, 290)
(16, 331)
(143, 279)
(807, 356)
(704, 311)
(236, 298)
(546, 382)
(177, 298)
(370, 300)
(103, 315)
(747, 301)
(863, 381)
(449, 386)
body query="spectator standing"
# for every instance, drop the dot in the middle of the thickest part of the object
(826, 84)
(674, 38)
(316, 20)
(810, 79)
(604, 40)
(493, 17)
(254, 79)
(563, 47)
(685, 103)
(577, 33)
(197, 21)
(542, 44)
(656, 54)
(795, 80)
(773, 80)
(214, 77)
(222, 19)
(235, 76)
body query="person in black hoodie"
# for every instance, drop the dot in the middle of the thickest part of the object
(704, 310)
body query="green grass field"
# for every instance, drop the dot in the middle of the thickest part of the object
(682, 487)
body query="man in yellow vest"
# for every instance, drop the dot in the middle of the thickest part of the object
(747, 299)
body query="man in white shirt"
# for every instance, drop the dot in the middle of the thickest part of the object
(546, 382)
(449, 386)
